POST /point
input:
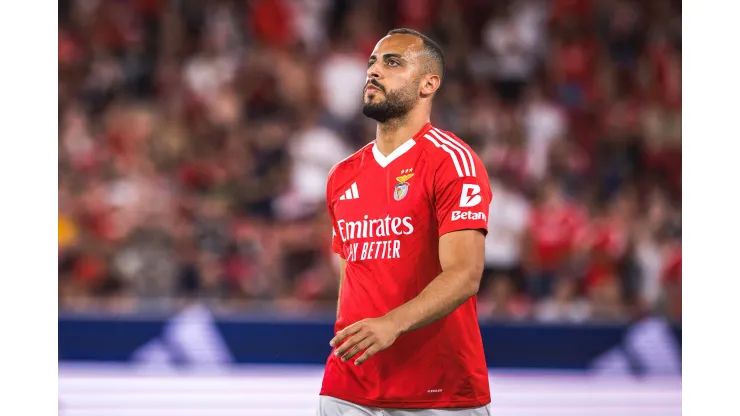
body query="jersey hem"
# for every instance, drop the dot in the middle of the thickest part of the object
(413, 404)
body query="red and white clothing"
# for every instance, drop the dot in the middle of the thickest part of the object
(388, 213)
(554, 234)
(606, 240)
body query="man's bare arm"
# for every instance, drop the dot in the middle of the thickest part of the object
(461, 258)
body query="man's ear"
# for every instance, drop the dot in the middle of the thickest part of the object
(430, 84)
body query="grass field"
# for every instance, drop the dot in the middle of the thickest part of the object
(292, 391)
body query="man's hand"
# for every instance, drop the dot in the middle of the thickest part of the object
(461, 258)
(372, 335)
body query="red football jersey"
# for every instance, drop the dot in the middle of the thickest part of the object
(388, 214)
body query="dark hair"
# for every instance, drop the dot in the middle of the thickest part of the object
(430, 47)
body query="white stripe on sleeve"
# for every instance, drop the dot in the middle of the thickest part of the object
(446, 149)
(459, 146)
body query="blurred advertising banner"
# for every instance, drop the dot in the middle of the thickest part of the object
(195, 338)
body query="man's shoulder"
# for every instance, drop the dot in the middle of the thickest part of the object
(448, 151)
(446, 136)
(349, 161)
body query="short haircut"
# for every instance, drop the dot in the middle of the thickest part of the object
(431, 48)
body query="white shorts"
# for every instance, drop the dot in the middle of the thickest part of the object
(330, 406)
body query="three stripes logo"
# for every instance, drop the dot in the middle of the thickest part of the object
(350, 193)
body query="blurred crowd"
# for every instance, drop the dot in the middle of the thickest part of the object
(195, 139)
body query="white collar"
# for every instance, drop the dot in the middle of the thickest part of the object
(384, 161)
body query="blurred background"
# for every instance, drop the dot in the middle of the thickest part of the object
(195, 139)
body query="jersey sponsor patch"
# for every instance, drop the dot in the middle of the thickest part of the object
(468, 215)
(378, 231)
(470, 195)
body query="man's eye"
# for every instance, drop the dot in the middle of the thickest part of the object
(393, 63)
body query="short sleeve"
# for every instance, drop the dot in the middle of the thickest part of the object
(337, 244)
(461, 202)
(336, 241)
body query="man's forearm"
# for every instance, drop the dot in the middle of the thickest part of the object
(443, 295)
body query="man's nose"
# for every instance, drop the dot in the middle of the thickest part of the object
(373, 72)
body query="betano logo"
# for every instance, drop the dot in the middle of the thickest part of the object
(468, 215)
(470, 196)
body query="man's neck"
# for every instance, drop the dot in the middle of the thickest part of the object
(393, 133)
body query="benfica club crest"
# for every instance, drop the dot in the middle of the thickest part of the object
(402, 188)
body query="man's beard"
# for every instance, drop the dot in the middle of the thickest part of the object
(395, 105)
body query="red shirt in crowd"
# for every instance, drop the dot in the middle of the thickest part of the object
(272, 23)
(605, 242)
(579, 9)
(554, 232)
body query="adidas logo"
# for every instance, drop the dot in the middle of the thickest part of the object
(189, 338)
(649, 348)
(350, 193)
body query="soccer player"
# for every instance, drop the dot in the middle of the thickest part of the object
(409, 213)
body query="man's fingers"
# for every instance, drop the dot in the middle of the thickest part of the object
(341, 335)
(349, 343)
(368, 353)
(362, 345)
